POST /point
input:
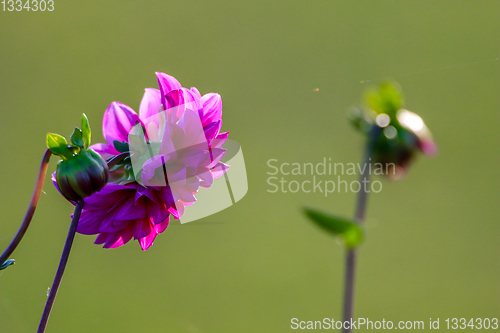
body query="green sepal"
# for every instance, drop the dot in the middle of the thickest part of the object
(7, 263)
(76, 138)
(86, 133)
(121, 146)
(350, 231)
(58, 145)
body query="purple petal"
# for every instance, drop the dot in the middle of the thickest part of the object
(101, 238)
(90, 221)
(157, 212)
(141, 228)
(129, 211)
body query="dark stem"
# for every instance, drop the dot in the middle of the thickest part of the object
(359, 217)
(62, 266)
(31, 208)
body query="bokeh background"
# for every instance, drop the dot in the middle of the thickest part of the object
(287, 71)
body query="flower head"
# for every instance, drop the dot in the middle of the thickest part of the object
(400, 133)
(174, 146)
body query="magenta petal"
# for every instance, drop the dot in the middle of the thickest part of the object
(212, 108)
(118, 121)
(117, 239)
(161, 227)
(212, 130)
(147, 241)
(167, 84)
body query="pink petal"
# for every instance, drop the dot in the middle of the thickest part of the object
(167, 84)
(212, 108)
(150, 105)
(105, 150)
(219, 170)
(219, 140)
(118, 121)
(216, 155)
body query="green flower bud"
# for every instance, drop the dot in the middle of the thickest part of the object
(82, 175)
(82, 171)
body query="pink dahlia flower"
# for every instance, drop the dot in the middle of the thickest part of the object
(175, 148)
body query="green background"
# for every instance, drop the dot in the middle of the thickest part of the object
(432, 249)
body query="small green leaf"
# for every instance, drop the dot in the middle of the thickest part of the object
(76, 138)
(7, 263)
(347, 228)
(121, 146)
(387, 98)
(58, 145)
(86, 133)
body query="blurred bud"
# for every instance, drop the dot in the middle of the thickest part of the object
(401, 133)
(82, 171)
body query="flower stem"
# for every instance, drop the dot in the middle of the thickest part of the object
(31, 208)
(62, 266)
(359, 216)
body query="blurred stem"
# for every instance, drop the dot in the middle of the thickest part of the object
(62, 266)
(359, 216)
(31, 208)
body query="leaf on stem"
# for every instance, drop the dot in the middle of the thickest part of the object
(7, 263)
(350, 231)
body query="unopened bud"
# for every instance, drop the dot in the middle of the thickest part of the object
(82, 171)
